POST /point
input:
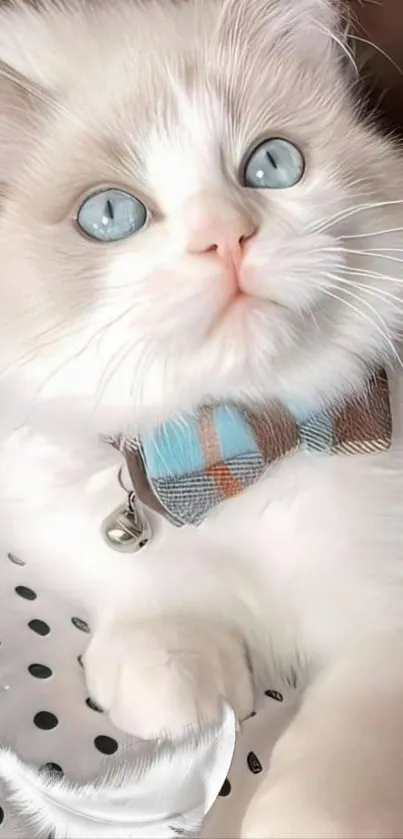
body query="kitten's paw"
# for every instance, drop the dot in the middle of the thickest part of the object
(161, 676)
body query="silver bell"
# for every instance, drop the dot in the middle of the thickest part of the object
(127, 529)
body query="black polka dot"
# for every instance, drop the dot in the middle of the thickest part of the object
(105, 745)
(40, 627)
(80, 624)
(51, 769)
(93, 705)
(1, 815)
(80, 660)
(40, 671)
(254, 763)
(143, 543)
(252, 714)
(25, 592)
(45, 720)
(225, 789)
(15, 559)
(274, 694)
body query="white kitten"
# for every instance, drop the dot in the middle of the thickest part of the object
(168, 102)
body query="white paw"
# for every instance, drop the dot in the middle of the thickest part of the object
(161, 676)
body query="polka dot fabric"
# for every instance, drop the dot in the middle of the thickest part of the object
(47, 717)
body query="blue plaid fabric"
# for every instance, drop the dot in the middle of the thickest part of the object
(189, 465)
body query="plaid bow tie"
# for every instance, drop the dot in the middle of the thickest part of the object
(191, 464)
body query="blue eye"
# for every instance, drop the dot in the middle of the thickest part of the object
(110, 215)
(274, 164)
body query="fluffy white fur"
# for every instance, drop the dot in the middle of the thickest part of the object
(140, 793)
(302, 576)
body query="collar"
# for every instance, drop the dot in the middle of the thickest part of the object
(189, 465)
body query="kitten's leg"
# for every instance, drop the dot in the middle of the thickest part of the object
(338, 769)
(165, 674)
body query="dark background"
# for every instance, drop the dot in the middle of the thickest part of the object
(381, 22)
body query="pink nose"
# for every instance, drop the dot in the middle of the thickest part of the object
(214, 224)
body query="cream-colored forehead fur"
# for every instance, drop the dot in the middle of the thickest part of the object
(157, 82)
(136, 32)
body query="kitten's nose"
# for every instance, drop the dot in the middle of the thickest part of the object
(214, 224)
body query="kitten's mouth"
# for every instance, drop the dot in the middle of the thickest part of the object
(240, 305)
(245, 298)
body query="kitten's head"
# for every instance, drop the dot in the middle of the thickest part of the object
(192, 208)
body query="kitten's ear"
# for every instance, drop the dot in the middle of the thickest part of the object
(21, 103)
(318, 25)
(313, 29)
(319, 10)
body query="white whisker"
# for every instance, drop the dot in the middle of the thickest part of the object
(372, 252)
(116, 360)
(376, 253)
(358, 311)
(374, 233)
(343, 46)
(373, 275)
(368, 289)
(379, 50)
(350, 211)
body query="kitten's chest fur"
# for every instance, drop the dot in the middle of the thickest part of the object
(309, 559)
